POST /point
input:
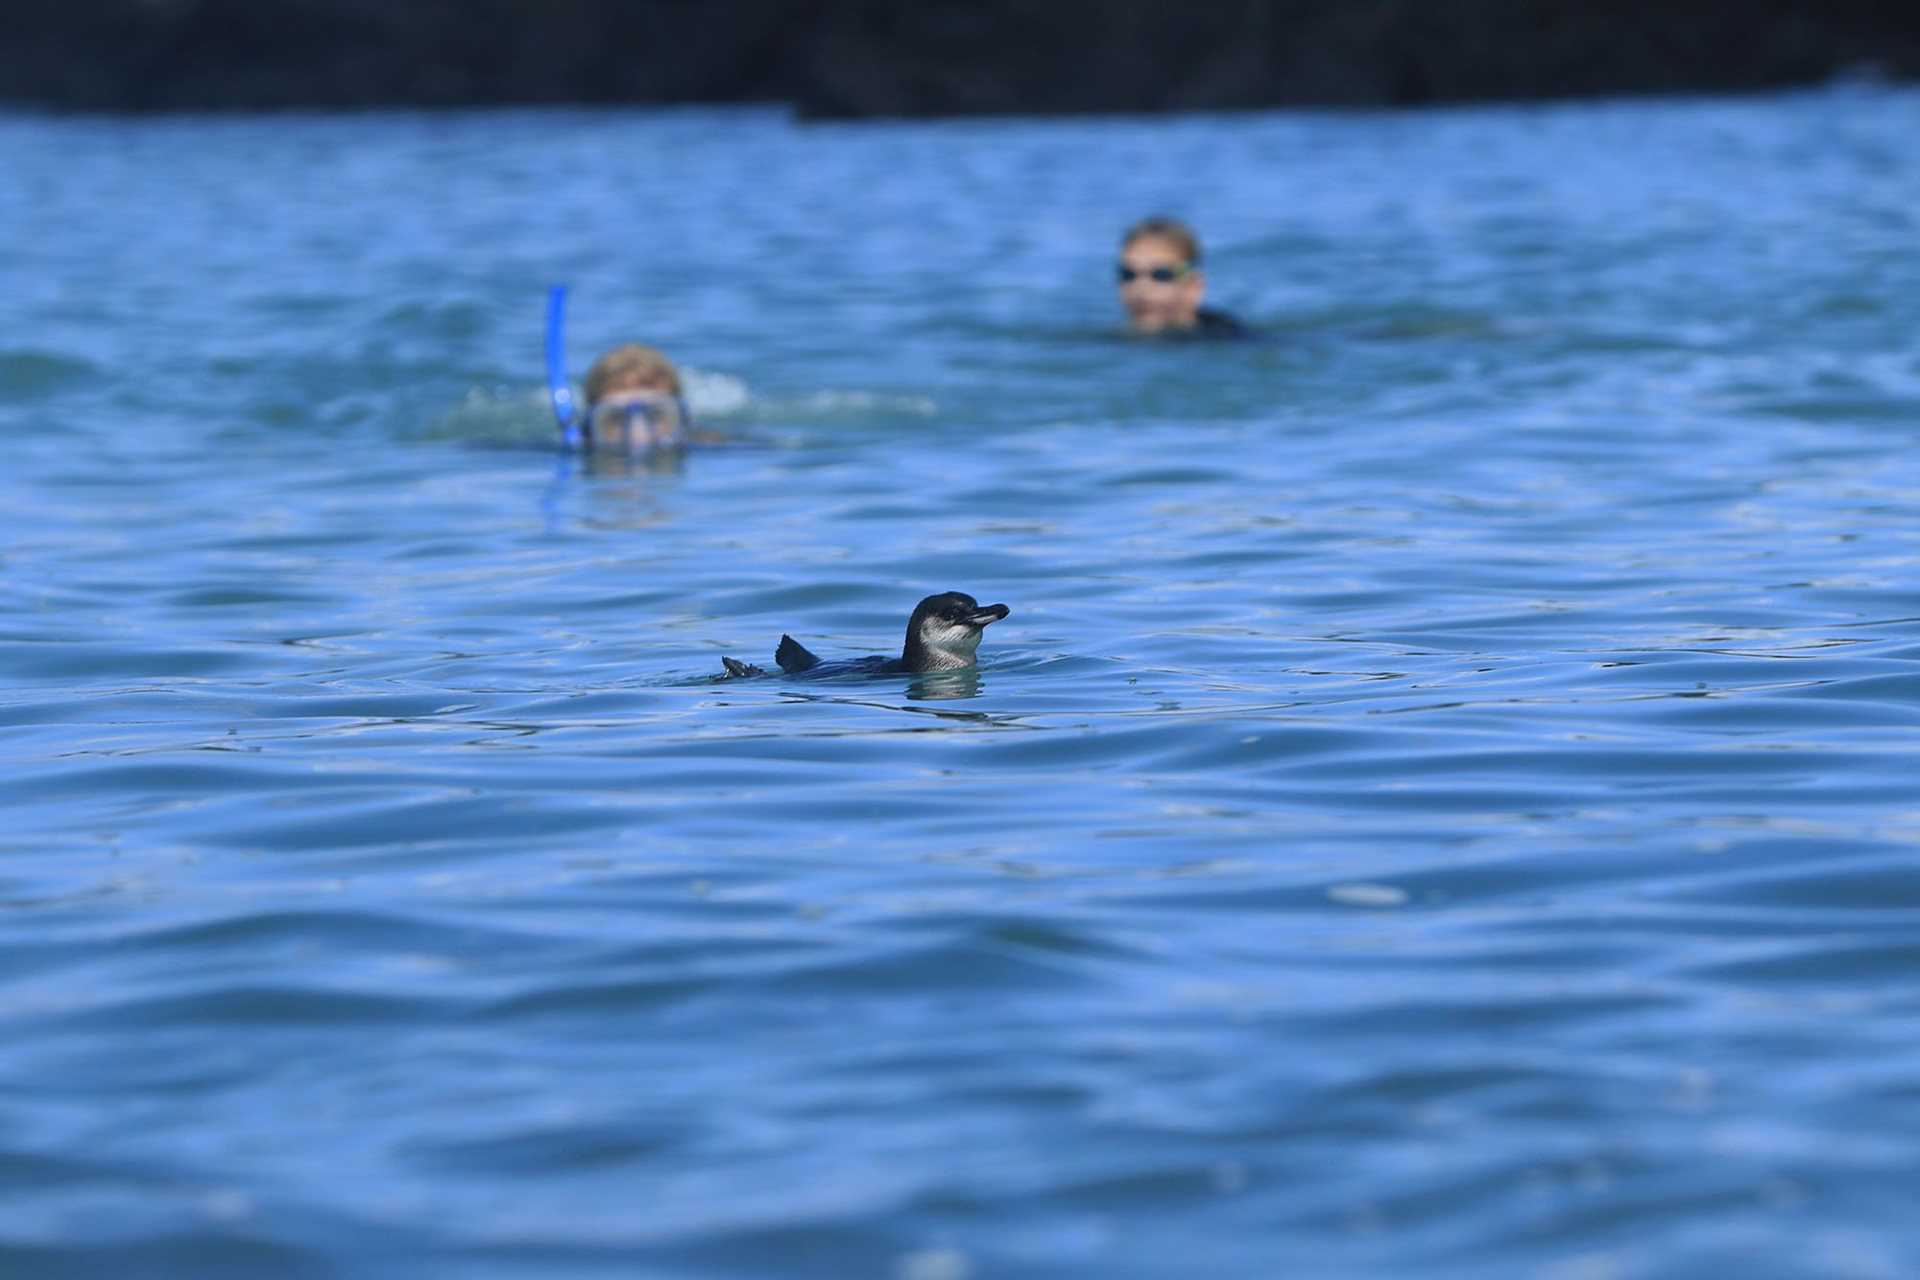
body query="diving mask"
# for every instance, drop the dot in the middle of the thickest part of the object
(638, 420)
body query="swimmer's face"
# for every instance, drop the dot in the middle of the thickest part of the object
(1160, 289)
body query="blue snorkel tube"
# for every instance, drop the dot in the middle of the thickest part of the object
(559, 386)
(576, 428)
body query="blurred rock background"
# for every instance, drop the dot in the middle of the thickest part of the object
(853, 58)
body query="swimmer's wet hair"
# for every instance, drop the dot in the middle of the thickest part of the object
(1172, 230)
(628, 367)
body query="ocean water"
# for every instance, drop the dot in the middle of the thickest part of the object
(1446, 801)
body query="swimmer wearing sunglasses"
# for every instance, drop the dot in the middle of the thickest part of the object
(1161, 283)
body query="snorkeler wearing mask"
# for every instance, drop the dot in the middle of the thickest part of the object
(634, 401)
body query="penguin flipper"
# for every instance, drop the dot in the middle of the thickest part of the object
(737, 669)
(793, 657)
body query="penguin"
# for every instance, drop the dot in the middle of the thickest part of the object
(942, 635)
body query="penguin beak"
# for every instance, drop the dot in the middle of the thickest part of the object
(987, 613)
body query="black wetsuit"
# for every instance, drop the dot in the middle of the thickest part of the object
(1209, 323)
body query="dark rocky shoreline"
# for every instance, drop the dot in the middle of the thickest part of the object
(837, 59)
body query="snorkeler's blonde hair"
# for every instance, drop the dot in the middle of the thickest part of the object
(1172, 230)
(631, 366)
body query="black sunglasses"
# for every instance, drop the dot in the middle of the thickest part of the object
(1160, 275)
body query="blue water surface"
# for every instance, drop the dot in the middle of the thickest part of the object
(1445, 802)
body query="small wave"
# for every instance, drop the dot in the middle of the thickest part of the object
(836, 404)
(711, 393)
(496, 416)
(26, 374)
(521, 416)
